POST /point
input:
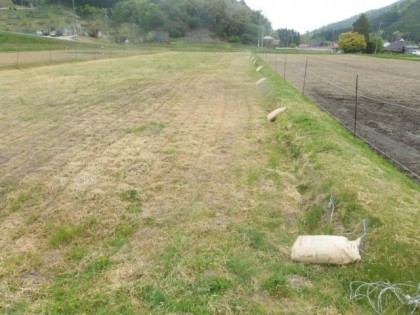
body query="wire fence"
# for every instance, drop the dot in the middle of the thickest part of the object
(20, 59)
(390, 125)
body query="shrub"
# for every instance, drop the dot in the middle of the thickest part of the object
(352, 42)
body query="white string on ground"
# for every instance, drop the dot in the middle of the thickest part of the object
(374, 292)
(331, 204)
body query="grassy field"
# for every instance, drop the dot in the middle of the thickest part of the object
(153, 184)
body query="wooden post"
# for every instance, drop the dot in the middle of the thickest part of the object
(355, 106)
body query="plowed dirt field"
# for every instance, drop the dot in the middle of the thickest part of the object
(388, 104)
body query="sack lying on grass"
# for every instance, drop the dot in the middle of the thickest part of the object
(273, 115)
(326, 249)
(260, 81)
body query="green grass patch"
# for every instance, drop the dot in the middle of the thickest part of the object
(123, 231)
(243, 268)
(97, 266)
(19, 202)
(152, 127)
(76, 253)
(65, 234)
(134, 198)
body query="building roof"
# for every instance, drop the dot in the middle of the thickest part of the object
(397, 46)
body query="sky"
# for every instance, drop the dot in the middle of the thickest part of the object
(307, 15)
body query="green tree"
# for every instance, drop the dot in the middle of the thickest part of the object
(362, 26)
(143, 13)
(86, 10)
(288, 37)
(352, 42)
(375, 44)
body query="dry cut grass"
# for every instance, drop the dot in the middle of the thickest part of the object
(153, 184)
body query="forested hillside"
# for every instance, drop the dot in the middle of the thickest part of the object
(403, 20)
(94, 3)
(231, 20)
(400, 19)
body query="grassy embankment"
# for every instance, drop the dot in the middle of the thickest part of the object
(17, 42)
(128, 224)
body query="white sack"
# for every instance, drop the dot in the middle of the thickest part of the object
(260, 81)
(273, 115)
(325, 249)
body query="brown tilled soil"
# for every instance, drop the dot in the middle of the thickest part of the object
(388, 105)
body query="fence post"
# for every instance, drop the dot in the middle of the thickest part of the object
(304, 77)
(285, 64)
(355, 106)
(275, 62)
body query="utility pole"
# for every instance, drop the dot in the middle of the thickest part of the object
(106, 21)
(259, 29)
(75, 21)
(377, 37)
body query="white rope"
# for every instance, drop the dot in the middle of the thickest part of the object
(374, 292)
(331, 204)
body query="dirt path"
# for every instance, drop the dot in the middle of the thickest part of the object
(388, 109)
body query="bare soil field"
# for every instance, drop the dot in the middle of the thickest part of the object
(388, 105)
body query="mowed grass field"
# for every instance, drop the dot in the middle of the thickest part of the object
(154, 184)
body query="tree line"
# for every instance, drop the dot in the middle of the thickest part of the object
(230, 19)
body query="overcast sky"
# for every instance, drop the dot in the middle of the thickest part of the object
(307, 15)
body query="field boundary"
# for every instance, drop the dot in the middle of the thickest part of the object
(297, 75)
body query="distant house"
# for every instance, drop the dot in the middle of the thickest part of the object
(159, 35)
(268, 40)
(396, 47)
(409, 49)
(276, 42)
(400, 47)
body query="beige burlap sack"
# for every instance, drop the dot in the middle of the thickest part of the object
(325, 249)
(273, 115)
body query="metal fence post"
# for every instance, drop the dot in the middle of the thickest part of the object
(285, 64)
(355, 106)
(304, 77)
